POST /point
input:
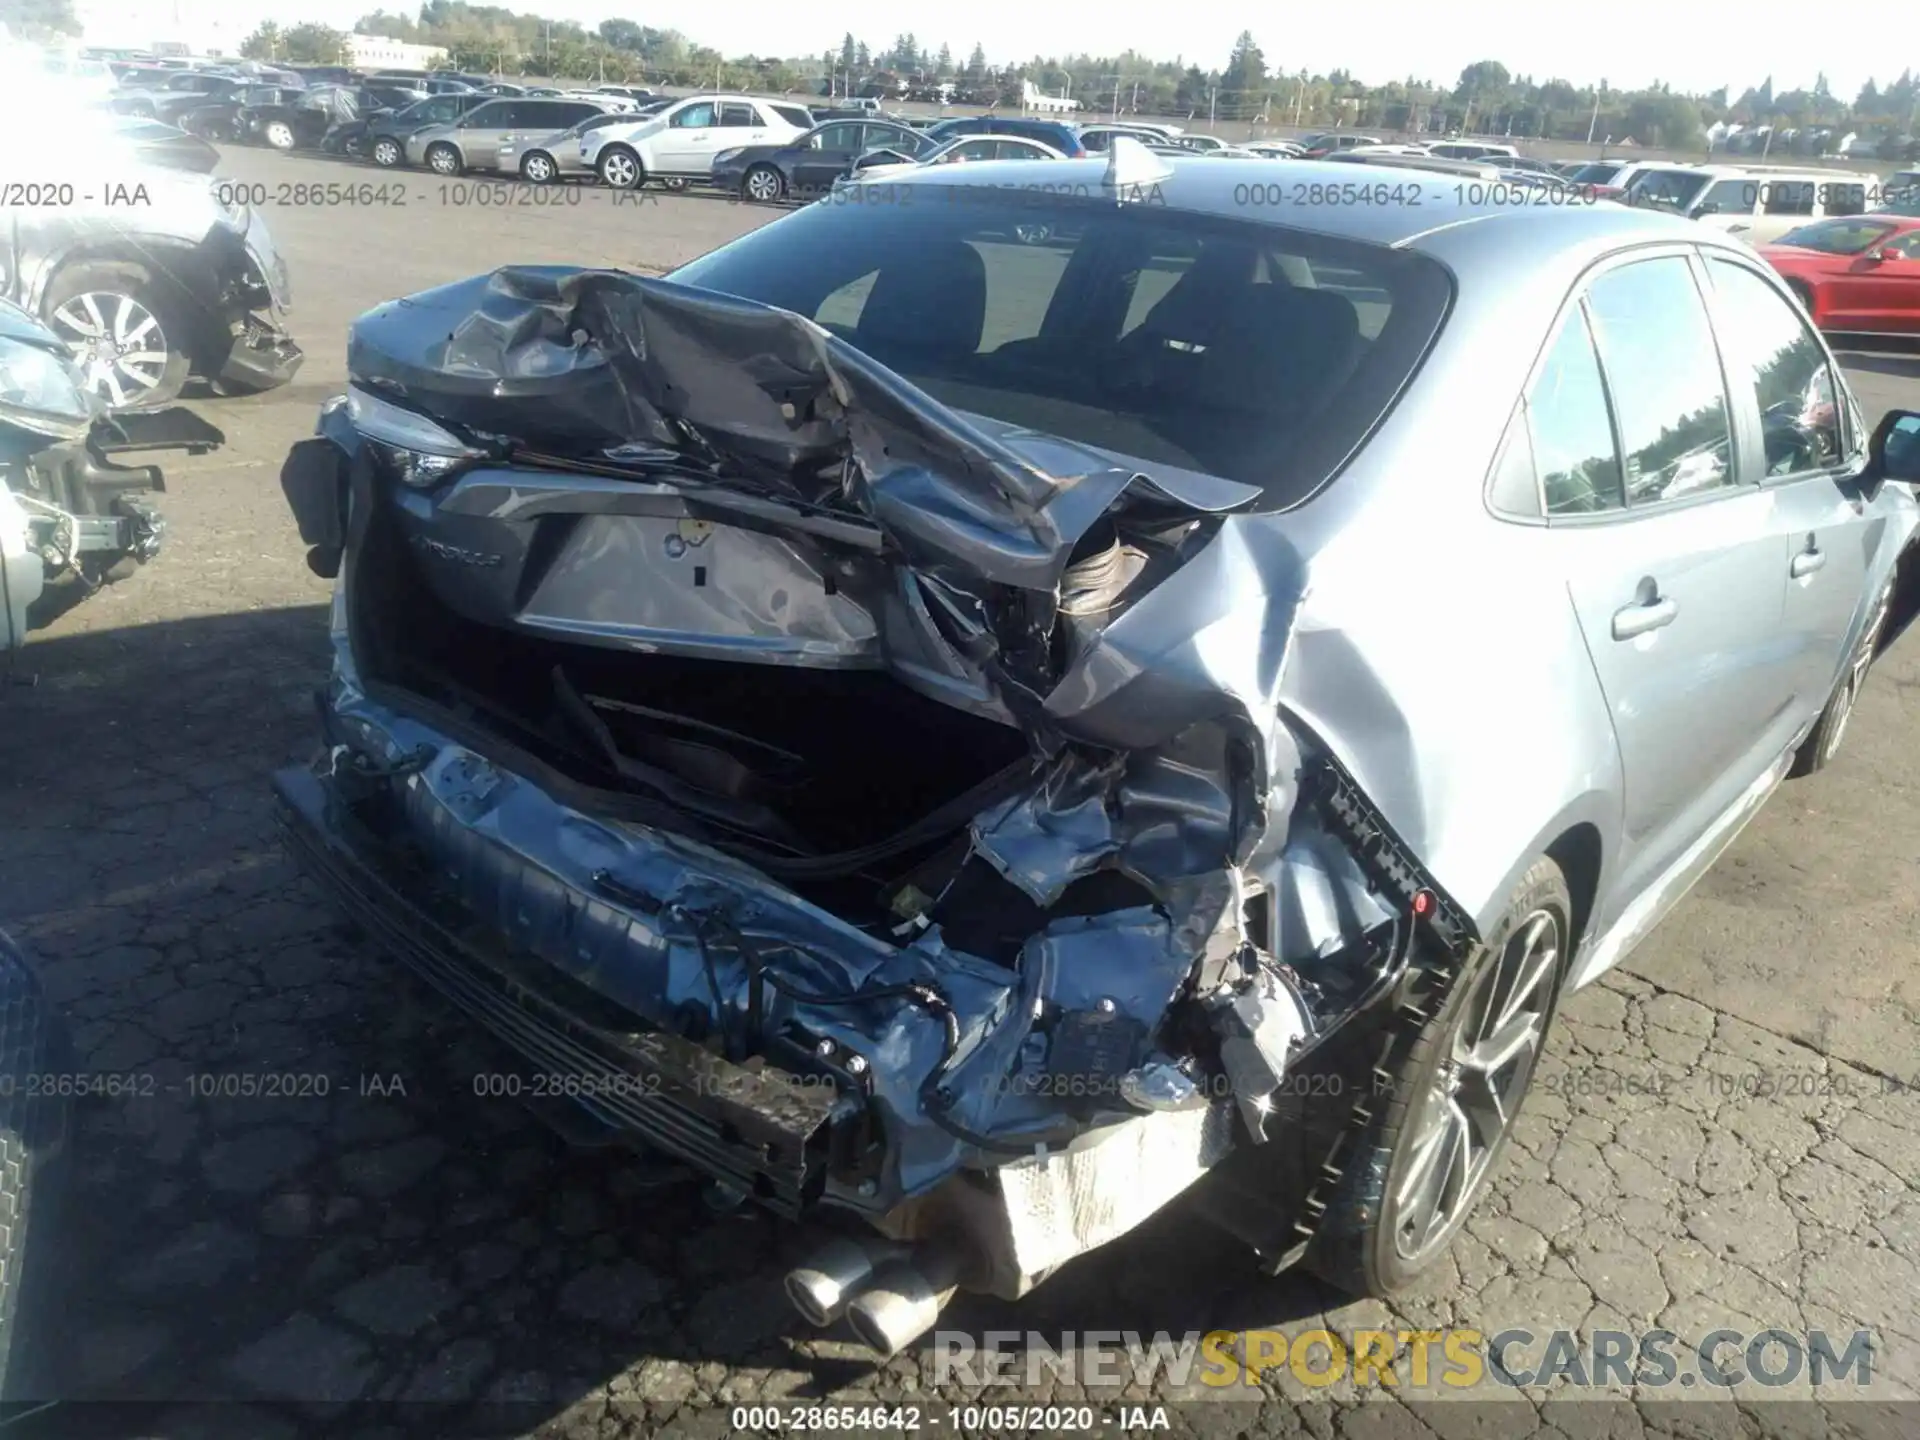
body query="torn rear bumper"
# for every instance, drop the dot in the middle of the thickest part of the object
(762, 1130)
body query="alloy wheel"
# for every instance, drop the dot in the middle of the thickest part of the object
(118, 343)
(443, 160)
(763, 186)
(619, 170)
(386, 152)
(538, 168)
(280, 135)
(1476, 1089)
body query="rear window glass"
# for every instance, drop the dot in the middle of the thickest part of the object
(1260, 354)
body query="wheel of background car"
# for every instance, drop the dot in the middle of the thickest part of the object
(539, 168)
(1457, 1084)
(1033, 233)
(387, 152)
(676, 183)
(443, 159)
(620, 168)
(764, 184)
(278, 134)
(34, 1135)
(1822, 744)
(125, 332)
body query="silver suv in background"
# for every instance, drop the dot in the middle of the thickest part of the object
(477, 139)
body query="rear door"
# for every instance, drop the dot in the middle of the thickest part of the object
(829, 154)
(1675, 568)
(1798, 447)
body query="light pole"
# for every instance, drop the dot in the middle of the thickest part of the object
(1594, 123)
(1213, 98)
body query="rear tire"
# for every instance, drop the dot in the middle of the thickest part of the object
(279, 135)
(1822, 745)
(539, 168)
(34, 1137)
(443, 159)
(1377, 1236)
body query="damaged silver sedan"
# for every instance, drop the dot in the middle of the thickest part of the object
(982, 737)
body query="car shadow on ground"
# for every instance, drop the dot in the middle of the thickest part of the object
(301, 1189)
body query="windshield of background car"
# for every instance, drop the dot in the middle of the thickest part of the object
(1596, 173)
(1836, 237)
(1224, 346)
(1677, 189)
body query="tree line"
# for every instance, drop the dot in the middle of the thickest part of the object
(1486, 97)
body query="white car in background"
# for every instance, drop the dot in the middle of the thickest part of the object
(679, 142)
(881, 164)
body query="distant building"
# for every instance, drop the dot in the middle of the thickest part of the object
(377, 52)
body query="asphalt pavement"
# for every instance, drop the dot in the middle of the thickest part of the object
(365, 1246)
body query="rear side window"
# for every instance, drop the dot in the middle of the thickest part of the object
(1771, 352)
(1177, 341)
(1663, 374)
(496, 114)
(1842, 198)
(739, 117)
(1570, 427)
(794, 116)
(1788, 197)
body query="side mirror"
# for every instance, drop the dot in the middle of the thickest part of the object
(1894, 451)
(1879, 257)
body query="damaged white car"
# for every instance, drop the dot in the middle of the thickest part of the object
(983, 738)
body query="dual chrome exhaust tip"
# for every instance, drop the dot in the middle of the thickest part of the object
(889, 1293)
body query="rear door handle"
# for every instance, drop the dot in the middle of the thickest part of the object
(1639, 618)
(1806, 562)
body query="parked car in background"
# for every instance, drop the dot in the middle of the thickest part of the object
(679, 142)
(188, 285)
(1756, 203)
(1470, 150)
(1317, 147)
(328, 74)
(966, 149)
(1277, 149)
(639, 94)
(1523, 164)
(263, 115)
(382, 136)
(474, 141)
(1096, 138)
(1072, 734)
(806, 167)
(547, 158)
(1056, 134)
(182, 91)
(1857, 274)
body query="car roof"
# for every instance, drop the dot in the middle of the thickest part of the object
(1220, 188)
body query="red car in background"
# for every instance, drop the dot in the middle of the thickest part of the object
(1856, 273)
